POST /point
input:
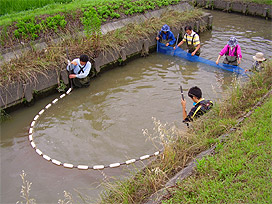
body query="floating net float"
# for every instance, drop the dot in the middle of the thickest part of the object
(68, 165)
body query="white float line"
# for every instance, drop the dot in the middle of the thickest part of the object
(39, 152)
(54, 161)
(41, 112)
(84, 167)
(36, 117)
(33, 145)
(32, 124)
(48, 106)
(30, 137)
(67, 165)
(55, 101)
(30, 130)
(61, 96)
(69, 90)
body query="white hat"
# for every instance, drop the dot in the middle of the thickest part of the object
(259, 57)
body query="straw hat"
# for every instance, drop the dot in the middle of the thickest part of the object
(259, 57)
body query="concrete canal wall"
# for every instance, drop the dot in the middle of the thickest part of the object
(18, 93)
(246, 8)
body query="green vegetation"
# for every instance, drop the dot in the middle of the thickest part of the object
(16, 28)
(254, 143)
(12, 6)
(268, 2)
(3, 115)
(30, 28)
(91, 27)
(240, 171)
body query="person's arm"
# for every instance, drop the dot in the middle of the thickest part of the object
(180, 43)
(222, 52)
(158, 37)
(73, 64)
(70, 66)
(184, 112)
(218, 58)
(239, 53)
(197, 48)
(171, 36)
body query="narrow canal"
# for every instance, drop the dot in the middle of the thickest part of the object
(103, 124)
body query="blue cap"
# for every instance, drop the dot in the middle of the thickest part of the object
(165, 28)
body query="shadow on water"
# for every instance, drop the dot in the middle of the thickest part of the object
(103, 124)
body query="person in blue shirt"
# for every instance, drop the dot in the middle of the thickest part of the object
(79, 70)
(166, 37)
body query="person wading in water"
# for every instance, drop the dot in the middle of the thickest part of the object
(192, 41)
(201, 106)
(232, 52)
(165, 36)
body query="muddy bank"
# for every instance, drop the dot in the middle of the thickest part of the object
(19, 93)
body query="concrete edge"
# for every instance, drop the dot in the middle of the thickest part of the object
(246, 8)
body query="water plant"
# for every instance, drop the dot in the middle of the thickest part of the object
(62, 86)
(25, 190)
(3, 115)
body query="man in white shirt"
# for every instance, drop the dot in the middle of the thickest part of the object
(80, 69)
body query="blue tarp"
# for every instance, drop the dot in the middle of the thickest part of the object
(161, 48)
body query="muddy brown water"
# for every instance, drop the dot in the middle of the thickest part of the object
(103, 124)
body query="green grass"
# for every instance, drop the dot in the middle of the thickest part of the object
(268, 2)
(240, 171)
(14, 6)
(107, 7)
(57, 20)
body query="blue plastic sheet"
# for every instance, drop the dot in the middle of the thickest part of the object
(161, 48)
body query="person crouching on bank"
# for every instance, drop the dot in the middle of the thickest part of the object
(79, 70)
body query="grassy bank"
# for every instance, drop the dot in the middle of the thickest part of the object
(55, 20)
(268, 2)
(181, 147)
(240, 171)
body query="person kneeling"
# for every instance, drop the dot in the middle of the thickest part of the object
(201, 106)
(80, 69)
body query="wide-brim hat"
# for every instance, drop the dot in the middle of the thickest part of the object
(259, 57)
(232, 42)
(165, 28)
